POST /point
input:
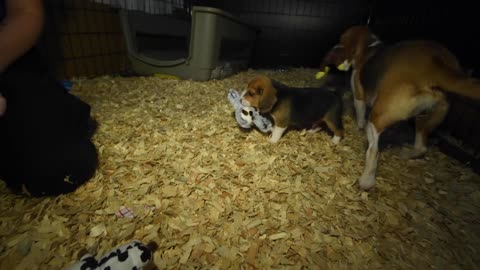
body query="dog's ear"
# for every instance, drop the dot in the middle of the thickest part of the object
(259, 90)
(255, 86)
(265, 92)
(268, 98)
(355, 41)
(361, 46)
(348, 43)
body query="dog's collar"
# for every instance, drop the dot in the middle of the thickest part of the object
(375, 43)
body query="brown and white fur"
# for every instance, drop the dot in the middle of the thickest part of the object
(289, 106)
(407, 79)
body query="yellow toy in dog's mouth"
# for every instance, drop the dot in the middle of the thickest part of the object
(320, 74)
(344, 66)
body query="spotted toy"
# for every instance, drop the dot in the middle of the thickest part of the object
(134, 255)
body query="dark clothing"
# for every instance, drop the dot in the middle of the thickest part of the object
(2, 9)
(45, 133)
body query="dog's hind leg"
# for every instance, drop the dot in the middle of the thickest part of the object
(425, 124)
(333, 119)
(386, 111)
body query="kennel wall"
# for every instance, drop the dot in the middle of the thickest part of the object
(212, 45)
(83, 39)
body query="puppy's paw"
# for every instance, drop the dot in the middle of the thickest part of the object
(273, 140)
(276, 134)
(314, 130)
(367, 182)
(336, 139)
(360, 125)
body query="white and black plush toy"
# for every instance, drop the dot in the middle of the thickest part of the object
(134, 255)
(248, 116)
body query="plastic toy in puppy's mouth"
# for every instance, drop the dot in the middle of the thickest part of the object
(247, 114)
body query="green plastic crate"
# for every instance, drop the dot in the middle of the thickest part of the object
(213, 45)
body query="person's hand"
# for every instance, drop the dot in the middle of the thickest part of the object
(20, 29)
(3, 105)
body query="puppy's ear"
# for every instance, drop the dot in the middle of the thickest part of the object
(259, 91)
(268, 98)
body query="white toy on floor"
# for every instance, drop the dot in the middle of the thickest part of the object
(134, 255)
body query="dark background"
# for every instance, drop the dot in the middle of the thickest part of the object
(84, 38)
(299, 32)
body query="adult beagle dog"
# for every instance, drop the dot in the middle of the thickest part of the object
(299, 107)
(400, 81)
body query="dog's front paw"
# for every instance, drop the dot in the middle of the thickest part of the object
(276, 134)
(336, 139)
(273, 139)
(367, 182)
(314, 130)
(361, 124)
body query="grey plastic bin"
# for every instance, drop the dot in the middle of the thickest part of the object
(213, 46)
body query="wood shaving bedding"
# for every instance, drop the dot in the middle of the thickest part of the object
(216, 197)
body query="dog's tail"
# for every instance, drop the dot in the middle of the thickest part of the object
(457, 82)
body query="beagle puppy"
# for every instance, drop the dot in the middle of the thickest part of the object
(400, 81)
(295, 107)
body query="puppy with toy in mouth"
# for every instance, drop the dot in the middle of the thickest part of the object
(295, 107)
